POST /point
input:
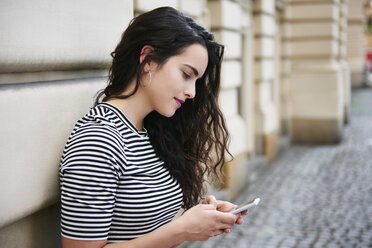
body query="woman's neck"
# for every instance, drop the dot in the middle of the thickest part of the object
(134, 108)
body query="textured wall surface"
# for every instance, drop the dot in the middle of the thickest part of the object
(53, 60)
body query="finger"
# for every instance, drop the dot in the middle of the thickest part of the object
(211, 200)
(227, 230)
(238, 216)
(219, 232)
(226, 220)
(225, 206)
(244, 212)
(239, 221)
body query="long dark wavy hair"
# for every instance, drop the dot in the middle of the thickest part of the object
(193, 142)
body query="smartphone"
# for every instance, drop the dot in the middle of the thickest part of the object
(245, 206)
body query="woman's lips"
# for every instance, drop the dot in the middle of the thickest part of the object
(179, 102)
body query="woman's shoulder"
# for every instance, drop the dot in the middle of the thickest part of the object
(94, 137)
(98, 123)
(99, 117)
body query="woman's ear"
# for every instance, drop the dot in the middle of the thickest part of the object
(146, 50)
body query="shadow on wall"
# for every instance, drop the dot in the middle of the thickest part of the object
(39, 230)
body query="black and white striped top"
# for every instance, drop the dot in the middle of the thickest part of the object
(113, 185)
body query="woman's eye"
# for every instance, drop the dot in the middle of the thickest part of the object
(186, 76)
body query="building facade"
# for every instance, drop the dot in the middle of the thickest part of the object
(288, 70)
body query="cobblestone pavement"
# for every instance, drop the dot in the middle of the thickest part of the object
(313, 196)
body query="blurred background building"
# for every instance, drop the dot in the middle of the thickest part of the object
(288, 71)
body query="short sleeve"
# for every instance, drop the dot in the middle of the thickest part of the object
(89, 178)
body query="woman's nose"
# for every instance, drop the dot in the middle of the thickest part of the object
(190, 90)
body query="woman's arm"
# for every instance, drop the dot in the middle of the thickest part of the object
(197, 224)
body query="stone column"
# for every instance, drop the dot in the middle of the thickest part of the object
(281, 81)
(226, 24)
(247, 97)
(345, 68)
(266, 115)
(356, 41)
(316, 82)
(286, 70)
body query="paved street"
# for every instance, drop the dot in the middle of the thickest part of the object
(313, 196)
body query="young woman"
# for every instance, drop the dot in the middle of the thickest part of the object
(144, 150)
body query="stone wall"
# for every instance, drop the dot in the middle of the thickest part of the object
(54, 59)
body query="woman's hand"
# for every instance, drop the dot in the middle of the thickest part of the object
(224, 206)
(204, 221)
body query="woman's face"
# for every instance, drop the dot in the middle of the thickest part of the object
(174, 82)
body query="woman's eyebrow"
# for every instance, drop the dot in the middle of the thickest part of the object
(196, 73)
